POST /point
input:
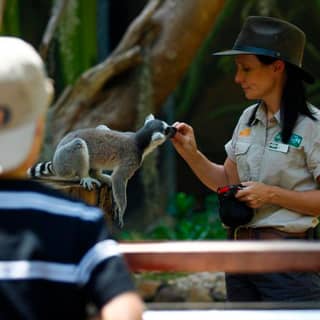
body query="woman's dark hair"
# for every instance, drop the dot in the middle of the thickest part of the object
(294, 101)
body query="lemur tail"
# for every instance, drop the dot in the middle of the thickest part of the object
(41, 169)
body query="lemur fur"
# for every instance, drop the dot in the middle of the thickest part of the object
(85, 154)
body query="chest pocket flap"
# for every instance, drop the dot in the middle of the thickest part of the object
(242, 148)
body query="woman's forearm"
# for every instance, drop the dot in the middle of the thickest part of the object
(211, 174)
(306, 202)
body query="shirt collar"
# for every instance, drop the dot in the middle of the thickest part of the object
(277, 116)
(261, 114)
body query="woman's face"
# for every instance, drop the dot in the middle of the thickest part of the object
(258, 81)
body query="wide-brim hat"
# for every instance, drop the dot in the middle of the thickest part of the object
(25, 92)
(272, 37)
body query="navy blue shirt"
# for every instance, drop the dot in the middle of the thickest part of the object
(55, 255)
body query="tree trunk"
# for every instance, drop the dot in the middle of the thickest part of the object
(165, 37)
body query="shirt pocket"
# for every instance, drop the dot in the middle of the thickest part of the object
(285, 169)
(241, 154)
(241, 148)
(296, 158)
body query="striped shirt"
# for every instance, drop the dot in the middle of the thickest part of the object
(55, 255)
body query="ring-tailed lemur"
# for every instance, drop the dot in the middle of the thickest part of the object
(85, 153)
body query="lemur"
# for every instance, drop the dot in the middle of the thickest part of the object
(85, 154)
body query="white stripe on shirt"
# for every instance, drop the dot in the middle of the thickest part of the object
(31, 200)
(26, 270)
(60, 272)
(100, 252)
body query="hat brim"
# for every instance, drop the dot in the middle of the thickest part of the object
(306, 76)
(232, 52)
(15, 146)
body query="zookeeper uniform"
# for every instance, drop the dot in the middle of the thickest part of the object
(261, 156)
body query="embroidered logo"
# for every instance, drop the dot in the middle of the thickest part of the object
(295, 140)
(245, 132)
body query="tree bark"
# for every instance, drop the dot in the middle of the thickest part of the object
(166, 36)
(57, 12)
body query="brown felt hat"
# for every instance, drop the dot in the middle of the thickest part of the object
(271, 37)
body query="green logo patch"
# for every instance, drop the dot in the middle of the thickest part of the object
(295, 140)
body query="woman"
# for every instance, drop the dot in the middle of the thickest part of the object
(274, 153)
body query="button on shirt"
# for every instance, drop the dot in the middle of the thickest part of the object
(261, 156)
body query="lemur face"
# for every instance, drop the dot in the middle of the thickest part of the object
(160, 128)
(169, 131)
(158, 131)
(161, 131)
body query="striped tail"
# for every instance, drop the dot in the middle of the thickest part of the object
(41, 169)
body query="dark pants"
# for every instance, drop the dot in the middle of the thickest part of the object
(272, 287)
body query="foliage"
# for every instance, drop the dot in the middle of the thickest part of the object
(77, 39)
(11, 22)
(193, 81)
(187, 222)
(162, 276)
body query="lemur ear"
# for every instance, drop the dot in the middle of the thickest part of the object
(149, 118)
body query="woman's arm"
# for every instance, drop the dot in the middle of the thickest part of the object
(211, 174)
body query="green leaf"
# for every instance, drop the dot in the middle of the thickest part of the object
(11, 19)
(77, 39)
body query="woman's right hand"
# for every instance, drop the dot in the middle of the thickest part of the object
(184, 140)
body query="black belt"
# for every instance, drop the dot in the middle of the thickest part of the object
(266, 233)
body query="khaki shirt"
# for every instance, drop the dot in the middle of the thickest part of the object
(261, 156)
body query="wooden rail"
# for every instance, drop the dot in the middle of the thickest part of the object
(229, 256)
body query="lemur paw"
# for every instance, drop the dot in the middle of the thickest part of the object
(88, 182)
(117, 214)
(120, 219)
(104, 178)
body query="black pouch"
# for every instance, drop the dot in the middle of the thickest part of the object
(233, 212)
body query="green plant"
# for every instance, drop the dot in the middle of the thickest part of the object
(11, 20)
(193, 224)
(77, 39)
(195, 76)
(187, 222)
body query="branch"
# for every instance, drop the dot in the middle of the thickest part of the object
(56, 15)
(135, 30)
(90, 101)
(126, 55)
(95, 78)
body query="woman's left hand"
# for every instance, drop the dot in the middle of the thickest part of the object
(255, 194)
